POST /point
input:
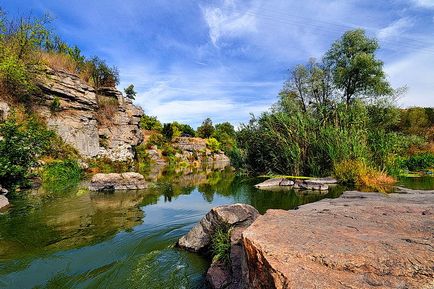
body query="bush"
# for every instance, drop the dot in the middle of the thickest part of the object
(213, 144)
(357, 172)
(419, 162)
(156, 139)
(55, 105)
(150, 123)
(60, 176)
(221, 244)
(106, 165)
(23, 142)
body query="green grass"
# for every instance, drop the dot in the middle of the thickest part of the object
(285, 177)
(61, 176)
(221, 244)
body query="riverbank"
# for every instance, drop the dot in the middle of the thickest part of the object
(359, 240)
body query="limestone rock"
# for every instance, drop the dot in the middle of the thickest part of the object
(113, 181)
(3, 191)
(4, 110)
(4, 202)
(274, 182)
(189, 144)
(360, 240)
(77, 120)
(199, 237)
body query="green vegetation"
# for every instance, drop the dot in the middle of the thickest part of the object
(418, 162)
(150, 123)
(130, 92)
(60, 176)
(27, 45)
(213, 144)
(333, 117)
(23, 142)
(221, 244)
(206, 130)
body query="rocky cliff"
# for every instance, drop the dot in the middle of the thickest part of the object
(96, 123)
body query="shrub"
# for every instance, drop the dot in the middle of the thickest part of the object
(150, 123)
(107, 107)
(23, 142)
(60, 176)
(156, 139)
(366, 178)
(221, 244)
(419, 162)
(106, 165)
(55, 105)
(213, 144)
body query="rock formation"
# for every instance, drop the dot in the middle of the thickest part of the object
(4, 202)
(96, 123)
(113, 181)
(319, 184)
(360, 240)
(238, 217)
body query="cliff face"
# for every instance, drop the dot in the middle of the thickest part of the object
(101, 123)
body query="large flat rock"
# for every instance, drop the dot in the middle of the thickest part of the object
(360, 240)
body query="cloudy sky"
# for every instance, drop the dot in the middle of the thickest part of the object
(228, 58)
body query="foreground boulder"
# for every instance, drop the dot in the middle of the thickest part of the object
(360, 240)
(4, 202)
(199, 237)
(238, 217)
(124, 181)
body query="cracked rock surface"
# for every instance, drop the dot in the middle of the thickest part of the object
(360, 240)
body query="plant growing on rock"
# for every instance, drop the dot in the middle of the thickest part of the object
(221, 244)
(130, 92)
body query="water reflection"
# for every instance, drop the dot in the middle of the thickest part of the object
(82, 239)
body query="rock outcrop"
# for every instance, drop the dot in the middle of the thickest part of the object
(4, 202)
(199, 237)
(320, 184)
(112, 182)
(78, 116)
(360, 240)
(238, 217)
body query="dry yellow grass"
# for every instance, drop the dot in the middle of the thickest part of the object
(59, 61)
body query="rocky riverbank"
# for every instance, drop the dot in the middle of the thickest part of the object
(359, 240)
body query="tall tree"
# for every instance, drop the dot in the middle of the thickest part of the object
(206, 129)
(356, 71)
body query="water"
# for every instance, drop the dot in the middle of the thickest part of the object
(417, 183)
(80, 239)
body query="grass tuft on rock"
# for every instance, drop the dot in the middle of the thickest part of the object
(221, 244)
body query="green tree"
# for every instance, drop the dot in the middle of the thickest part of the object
(130, 92)
(150, 123)
(356, 71)
(103, 75)
(206, 130)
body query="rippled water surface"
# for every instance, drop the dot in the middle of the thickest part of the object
(81, 239)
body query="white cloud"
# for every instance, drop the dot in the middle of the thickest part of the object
(395, 29)
(424, 3)
(412, 71)
(227, 21)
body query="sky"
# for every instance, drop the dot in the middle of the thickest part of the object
(227, 59)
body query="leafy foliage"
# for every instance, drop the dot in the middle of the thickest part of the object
(150, 123)
(22, 143)
(221, 244)
(130, 92)
(60, 176)
(206, 130)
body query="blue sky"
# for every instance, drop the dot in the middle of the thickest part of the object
(225, 59)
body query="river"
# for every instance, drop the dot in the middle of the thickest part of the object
(82, 239)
